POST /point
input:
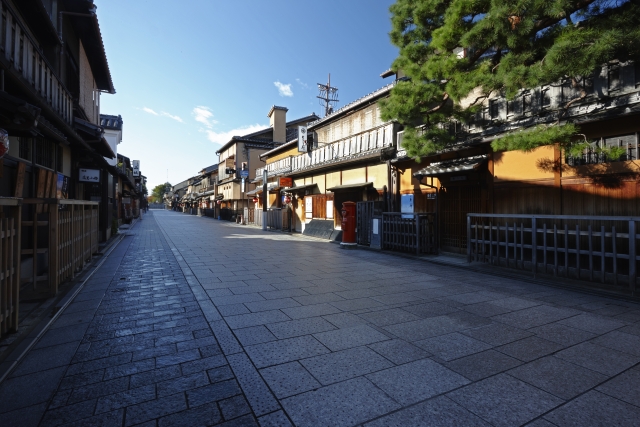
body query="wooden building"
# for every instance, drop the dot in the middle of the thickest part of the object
(240, 157)
(472, 178)
(347, 162)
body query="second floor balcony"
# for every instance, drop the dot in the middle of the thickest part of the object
(22, 56)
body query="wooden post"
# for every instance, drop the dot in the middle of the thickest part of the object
(632, 256)
(53, 249)
(417, 219)
(615, 255)
(534, 247)
(602, 255)
(468, 239)
(17, 214)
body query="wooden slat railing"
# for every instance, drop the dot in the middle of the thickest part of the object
(71, 238)
(594, 248)
(414, 232)
(10, 216)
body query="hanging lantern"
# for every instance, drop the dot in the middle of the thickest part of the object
(4, 142)
(287, 199)
(255, 200)
(219, 202)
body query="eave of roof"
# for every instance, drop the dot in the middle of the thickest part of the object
(353, 105)
(91, 36)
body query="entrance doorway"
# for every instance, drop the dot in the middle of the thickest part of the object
(455, 203)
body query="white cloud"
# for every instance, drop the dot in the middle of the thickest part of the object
(283, 89)
(150, 111)
(224, 137)
(204, 115)
(303, 84)
(176, 118)
(163, 113)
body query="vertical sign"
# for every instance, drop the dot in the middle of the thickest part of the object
(303, 147)
(136, 167)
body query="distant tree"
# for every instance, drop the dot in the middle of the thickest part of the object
(510, 45)
(158, 192)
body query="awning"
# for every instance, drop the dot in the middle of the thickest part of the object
(350, 187)
(299, 188)
(96, 137)
(270, 187)
(452, 166)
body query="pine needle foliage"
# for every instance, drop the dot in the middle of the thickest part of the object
(511, 45)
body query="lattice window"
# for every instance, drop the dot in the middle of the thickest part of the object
(592, 155)
(24, 148)
(45, 153)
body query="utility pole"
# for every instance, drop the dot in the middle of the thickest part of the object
(328, 96)
(265, 198)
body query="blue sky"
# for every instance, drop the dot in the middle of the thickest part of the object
(191, 74)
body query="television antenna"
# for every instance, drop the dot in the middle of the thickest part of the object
(328, 96)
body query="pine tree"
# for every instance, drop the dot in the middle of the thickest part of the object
(510, 45)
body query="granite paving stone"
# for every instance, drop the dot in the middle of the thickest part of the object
(341, 365)
(504, 401)
(287, 350)
(452, 346)
(289, 379)
(440, 411)
(595, 409)
(625, 386)
(354, 336)
(560, 378)
(600, 359)
(398, 351)
(345, 404)
(482, 365)
(294, 328)
(194, 321)
(416, 381)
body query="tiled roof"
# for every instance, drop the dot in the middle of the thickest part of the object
(111, 122)
(382, 91)
(452, 166)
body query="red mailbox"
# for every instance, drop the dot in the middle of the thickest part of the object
(348, 224)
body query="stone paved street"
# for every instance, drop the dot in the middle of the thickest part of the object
(195, 322)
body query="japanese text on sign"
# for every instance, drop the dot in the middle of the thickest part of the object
(89, 175)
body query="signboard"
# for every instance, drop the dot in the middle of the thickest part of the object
(136, 167)
(89, 175)
(62, 186)
(285, 181)
(458, 178)
(244, 173)
(126, 200)
(302, 139)
(230, 163)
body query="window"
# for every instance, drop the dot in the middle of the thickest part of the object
(45, 152)
(592, 155)
(545, 98)
(614, 78)
(494, 109)
(24, 148)
(526, 102)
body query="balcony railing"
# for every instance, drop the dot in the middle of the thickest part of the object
(26, 59)
(346, 149)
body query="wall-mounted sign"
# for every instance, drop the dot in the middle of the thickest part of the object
(285, 181)
(126, 200)
(230, 163)
(458, 178)
(89, 175)
(431, 196)
(303, 147)
(136, 167)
